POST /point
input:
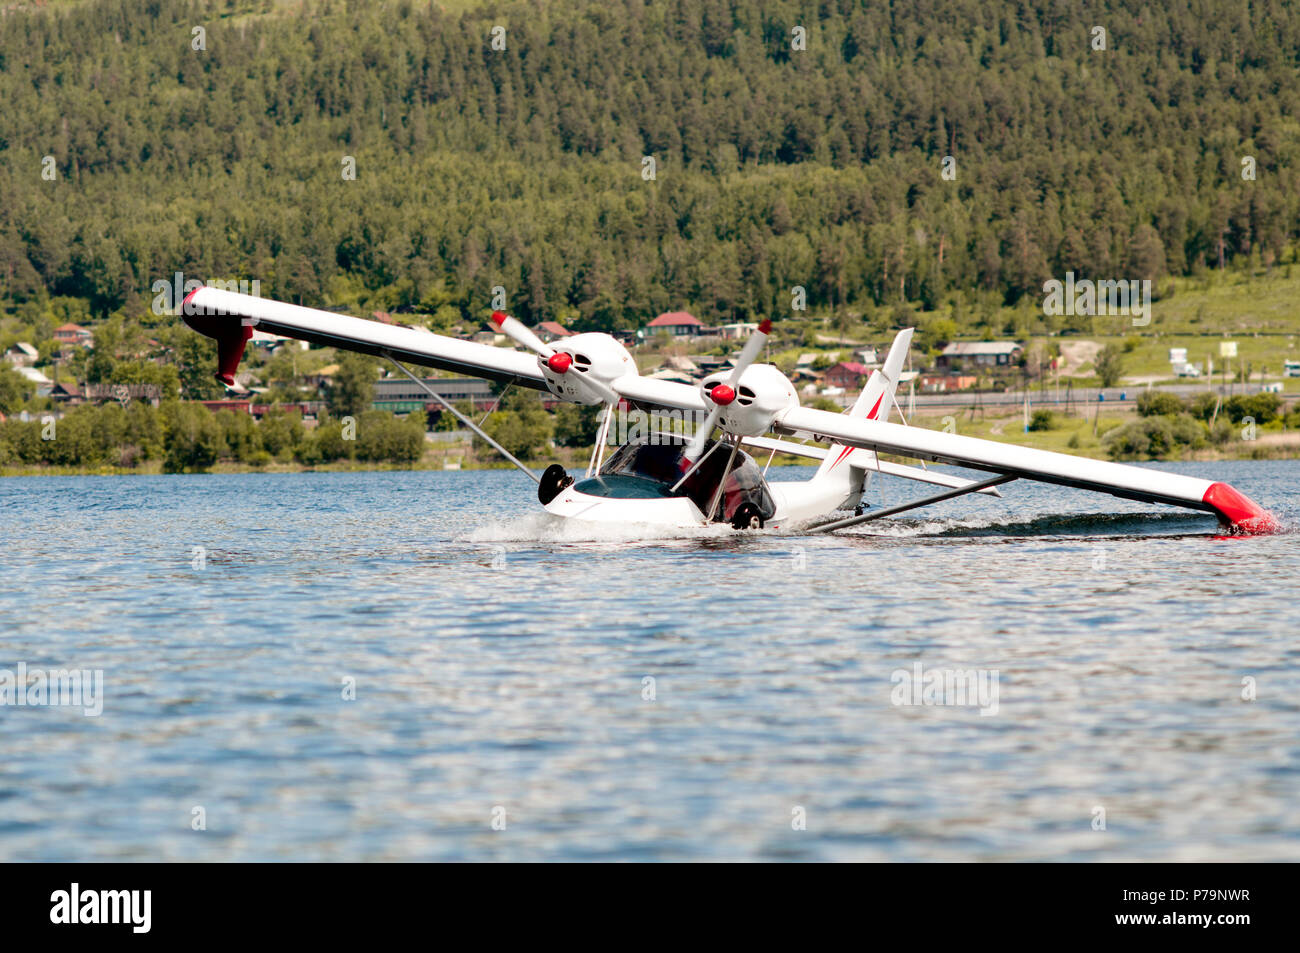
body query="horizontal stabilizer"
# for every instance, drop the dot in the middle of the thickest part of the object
(865, 460)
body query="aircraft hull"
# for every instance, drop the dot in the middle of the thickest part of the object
(674, 511)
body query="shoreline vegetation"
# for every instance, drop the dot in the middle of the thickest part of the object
(578, 462)
(1157, 427)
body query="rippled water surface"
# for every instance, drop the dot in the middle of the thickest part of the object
(501, 666)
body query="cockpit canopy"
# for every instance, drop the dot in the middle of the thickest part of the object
(650, 470)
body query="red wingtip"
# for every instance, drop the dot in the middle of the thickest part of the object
(230, 337)
(499, 318)
(766, 326)
(1239, 511)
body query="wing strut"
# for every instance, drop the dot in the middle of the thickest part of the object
(893, 510)
(463, 419)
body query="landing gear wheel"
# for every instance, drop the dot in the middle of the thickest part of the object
(554, 479)
(747, 517)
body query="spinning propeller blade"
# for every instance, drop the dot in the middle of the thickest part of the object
(724, 393)
(515, 329)
(558, 361)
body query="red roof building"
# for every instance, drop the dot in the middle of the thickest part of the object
(846, 374)
(677, 323)
(550, 330)
(72, 334)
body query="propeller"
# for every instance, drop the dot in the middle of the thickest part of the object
(558, 361)
(724, 393)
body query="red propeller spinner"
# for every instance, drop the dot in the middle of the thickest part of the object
(722, 394)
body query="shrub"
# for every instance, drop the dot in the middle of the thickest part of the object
(1155, 438)
(281, 432)
(193, 438)
(1202, 405)
(1157, 403)
(1262, 407)
(384, 437)
(240, 433)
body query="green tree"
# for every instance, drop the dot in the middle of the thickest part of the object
(192, 437)
(13, 390)
(1109, 365)
(521, 425)
(1154, 403)
(381, 436)
(352, 390)
(281, 432)
(576, 425)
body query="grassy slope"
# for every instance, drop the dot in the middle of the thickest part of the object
(1262, 314)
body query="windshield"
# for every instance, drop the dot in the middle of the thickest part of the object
(617, 486)
(660, 464)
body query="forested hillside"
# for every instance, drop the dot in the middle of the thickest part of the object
(523, 167)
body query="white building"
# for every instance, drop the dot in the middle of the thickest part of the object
(22, 354)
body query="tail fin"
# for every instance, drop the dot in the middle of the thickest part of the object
(877, 398)
(874, 403)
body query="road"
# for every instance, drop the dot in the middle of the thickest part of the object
(1080, 395)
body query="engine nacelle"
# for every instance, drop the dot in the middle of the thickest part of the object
(592, 354)
(761, 393)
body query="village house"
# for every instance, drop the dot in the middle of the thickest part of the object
(22, 354)
(742, 329)
(708, 364)
(962, 354)
(550, 331)
(401, 395)
(868, 356)
(322, 378)
(123, 393)
(681, 364)
(946, 383)
(848, 375)
(33, 376)
(676, 323)
(72, 335)
(60, 393)
(272, 342)
(669, 374)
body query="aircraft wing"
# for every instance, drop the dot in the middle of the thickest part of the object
(648, 390)
(230, 317)
(1117, 479)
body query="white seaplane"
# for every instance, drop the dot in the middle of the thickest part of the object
(684, 481)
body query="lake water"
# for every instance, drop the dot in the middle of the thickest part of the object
(501, 667)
